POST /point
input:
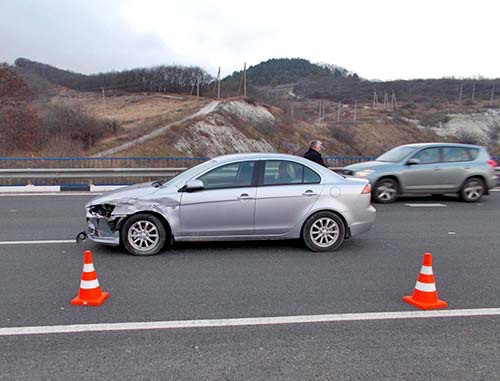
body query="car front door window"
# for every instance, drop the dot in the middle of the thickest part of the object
(428, 156)
(233, 175)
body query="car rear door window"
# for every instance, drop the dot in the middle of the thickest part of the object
(454, 154)
(284, 172)
(428, 155)
(311, 177)
(473, 152)
(233, 175)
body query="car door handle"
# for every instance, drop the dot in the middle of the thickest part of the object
(437, 168)
(244, 196)
(309, 193)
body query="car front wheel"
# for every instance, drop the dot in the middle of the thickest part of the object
(143, 234)
(386, 191)
(472, 190)
(324, 231)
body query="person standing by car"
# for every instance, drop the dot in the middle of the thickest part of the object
(314, 154)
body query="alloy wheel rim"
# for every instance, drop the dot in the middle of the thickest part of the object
(386, 191)
(324, 232)
(143, 235)
(473, 190)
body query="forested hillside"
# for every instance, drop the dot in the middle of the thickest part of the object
(173, 79)
(279, 71)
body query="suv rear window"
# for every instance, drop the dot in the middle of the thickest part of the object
(453, 154)
(473, 152)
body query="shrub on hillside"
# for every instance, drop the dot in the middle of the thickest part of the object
(344, 135)
(20, 128)
(75, 125)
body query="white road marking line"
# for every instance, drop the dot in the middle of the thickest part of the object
(425, 205)
(42, 242)
(495, 190)
(214, 323)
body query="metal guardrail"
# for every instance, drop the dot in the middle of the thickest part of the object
(90, 173)
(102, 162)
(99, 173)
(34, 170)
(136, 162)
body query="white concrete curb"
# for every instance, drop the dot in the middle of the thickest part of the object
(30, 189)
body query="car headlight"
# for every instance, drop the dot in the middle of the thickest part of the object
(364, 173)
(102, 210)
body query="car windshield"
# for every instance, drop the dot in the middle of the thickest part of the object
(397, 154)
(187, 174)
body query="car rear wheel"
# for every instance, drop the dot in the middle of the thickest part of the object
(386, 191)
(324, 231)
(143, 234)
(472, 190)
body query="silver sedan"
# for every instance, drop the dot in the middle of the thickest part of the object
(235, 197)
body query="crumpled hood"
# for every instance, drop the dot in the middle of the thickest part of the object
(367, 165)
(128, 192)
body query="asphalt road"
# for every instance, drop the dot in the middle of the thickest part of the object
(239, 280)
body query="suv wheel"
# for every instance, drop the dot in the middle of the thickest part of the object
(143, 234)
(324, 231)
(472, 190)
(386, 191)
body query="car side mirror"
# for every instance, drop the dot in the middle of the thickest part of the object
(194, 185)
(413, 161)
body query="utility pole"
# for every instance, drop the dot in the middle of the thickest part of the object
(103, 100)
(461, 92)
(386, 101)
(492, 95)
(321, 112)
(218, 84)
(473, 91)
(375, 98)
(198, 86)
(338, 112)
(394, 101)
(245, 79)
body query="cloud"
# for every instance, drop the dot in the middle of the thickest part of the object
(384, 39)
(82, 36)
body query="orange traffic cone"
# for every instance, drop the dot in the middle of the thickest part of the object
(90, 293)
(425, 294)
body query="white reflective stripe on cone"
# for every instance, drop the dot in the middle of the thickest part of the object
(425, 287)
(89, 284)
(88, 267)
(426, 270)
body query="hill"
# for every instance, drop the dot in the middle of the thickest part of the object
(53, 117)
(172, 79)
(427, 91)
(278, 71)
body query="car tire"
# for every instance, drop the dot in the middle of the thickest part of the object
(385, 191)
(473, 189)
(323, 231)
(143, 234)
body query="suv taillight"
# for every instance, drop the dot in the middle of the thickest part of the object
(493, 163)
(367, 189)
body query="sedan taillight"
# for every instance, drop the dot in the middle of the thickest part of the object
(367, 189)
(493, 163)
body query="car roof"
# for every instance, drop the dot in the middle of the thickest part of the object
(258, 156)
(420, 145)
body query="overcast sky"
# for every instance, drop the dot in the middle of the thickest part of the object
(378, 39)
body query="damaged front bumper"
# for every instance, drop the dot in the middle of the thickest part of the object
(99, 231)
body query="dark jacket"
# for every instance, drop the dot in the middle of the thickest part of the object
(315, 156)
